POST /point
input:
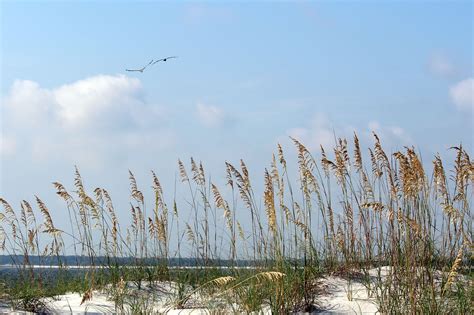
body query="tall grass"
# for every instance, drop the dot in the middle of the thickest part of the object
(344, 212)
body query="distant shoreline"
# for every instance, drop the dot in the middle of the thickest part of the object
(12, 266)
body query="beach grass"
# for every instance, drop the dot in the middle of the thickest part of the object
(338, 212)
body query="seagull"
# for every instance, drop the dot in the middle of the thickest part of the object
(142, 69)
(164, 59)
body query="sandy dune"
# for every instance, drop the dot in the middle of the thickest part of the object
(341, 297)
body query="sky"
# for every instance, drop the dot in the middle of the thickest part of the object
(248, 76)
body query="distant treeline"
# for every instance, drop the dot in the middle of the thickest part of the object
(132, 261)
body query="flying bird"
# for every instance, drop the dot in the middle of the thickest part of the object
(142, 69)
(164, 59)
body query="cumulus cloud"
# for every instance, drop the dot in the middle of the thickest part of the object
(93, 102)
(322, 131)
(209, 116)
(318, 132)
(391, 135)
(85, 121)
(440, 65)
(462, 94)
(93, 99)
(27, 102)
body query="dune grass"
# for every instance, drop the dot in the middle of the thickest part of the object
(342, 214)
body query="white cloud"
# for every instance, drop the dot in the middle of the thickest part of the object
(440, 65)
(319, 132)
(389, 135)
(99, 101)
(86, 101)
(374, 126)
(209, 116)
(86, 122)
(462, 94)
(27, 102)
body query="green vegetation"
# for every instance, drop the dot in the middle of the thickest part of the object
(340, 216)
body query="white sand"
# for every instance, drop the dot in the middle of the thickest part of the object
(343, 297)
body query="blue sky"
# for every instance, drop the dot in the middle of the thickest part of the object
(248, 76)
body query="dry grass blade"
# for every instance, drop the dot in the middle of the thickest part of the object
(198, 173)
(302, 226)
(62, 192)
(228, 171)
(190, 233)
(222, 281)
(439, 178)
(270, 202)
(78, 181)
(48, 220)
(218, 200)
(87, 296)
(454, 270)
(161, 229)
(376, 170)
(182, 172)
(270, 275)
(219, 282)
(281, 156)
(357, 154)
(110, 208)
(377, 206)
(241, 231)
(29, 211)
(342, 161)
(245, 174)
(31, 238)
(135, 219)
(222, 204)
(156, 184)
(151, 227)
(23, 216)
(8, 209)
(325, 163)
(136, 194)
(242, 186)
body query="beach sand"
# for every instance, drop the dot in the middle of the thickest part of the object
(341, 296)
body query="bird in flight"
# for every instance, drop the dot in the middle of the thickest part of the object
(141, 69)
(164, 59)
